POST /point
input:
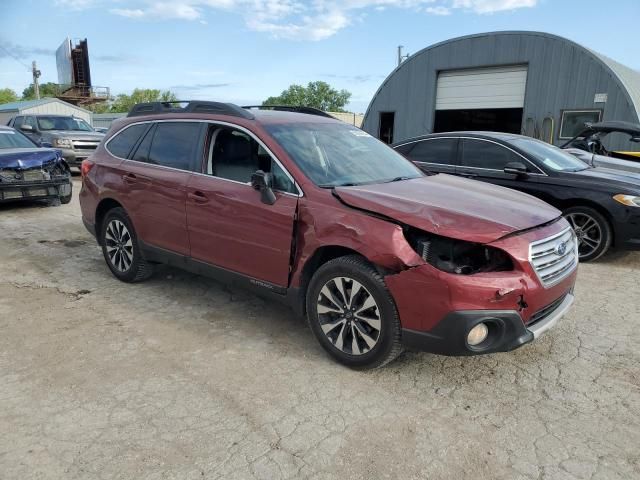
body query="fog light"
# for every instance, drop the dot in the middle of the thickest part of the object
(478, 334)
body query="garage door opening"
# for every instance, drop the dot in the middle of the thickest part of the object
(490, 98)
(507, 120)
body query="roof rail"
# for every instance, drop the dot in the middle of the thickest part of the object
(189, 106)
(290, 108)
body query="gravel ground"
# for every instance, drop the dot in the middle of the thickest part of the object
(182, 378)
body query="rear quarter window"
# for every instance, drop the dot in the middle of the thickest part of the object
(122, 143)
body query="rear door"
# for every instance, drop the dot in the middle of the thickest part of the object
(228, 225)
(433, 154)
(155, 177)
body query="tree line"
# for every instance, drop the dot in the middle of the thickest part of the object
(317, 94)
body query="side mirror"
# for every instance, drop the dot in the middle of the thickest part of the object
(515, 168)
(263, 182)
(26, 128)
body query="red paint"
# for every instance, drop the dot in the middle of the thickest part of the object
(452, 206)
(225, 224)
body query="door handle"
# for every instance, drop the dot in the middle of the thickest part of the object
(133, 179)
(198, 197)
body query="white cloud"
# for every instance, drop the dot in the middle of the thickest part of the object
(438, 10)
(491, 6)
(298, 19)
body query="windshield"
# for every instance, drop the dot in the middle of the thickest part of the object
(63, 123)
(13, 139)
(550, 156)
(336, 154)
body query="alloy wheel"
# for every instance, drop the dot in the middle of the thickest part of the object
(349, 316)
(588, 232)
(119, 245)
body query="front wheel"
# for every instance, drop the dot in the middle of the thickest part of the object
(352, 313)
(65, 199)
(592, 231)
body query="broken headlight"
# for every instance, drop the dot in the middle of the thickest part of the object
(458, 256)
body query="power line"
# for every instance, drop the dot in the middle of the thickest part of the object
(15, 58)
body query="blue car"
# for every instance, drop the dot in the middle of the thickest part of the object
(30, 172)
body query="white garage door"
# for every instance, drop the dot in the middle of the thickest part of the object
(501, 87)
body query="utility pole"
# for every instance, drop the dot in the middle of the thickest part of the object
(401, 57)
(36, 75)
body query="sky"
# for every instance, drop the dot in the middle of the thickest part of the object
(244, 51)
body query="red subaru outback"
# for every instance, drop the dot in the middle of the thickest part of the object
(318, 214)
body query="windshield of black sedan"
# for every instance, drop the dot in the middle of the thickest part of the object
(335, 154)
(13, 139)
(550, 156)
(63, 123)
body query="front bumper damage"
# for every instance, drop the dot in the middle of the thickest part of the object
(515, 306)
(508, 330)
(35, 190)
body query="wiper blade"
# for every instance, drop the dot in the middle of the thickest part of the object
(399, 179)
(334, 185)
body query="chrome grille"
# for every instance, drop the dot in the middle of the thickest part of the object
(555, 257)
(85, 145)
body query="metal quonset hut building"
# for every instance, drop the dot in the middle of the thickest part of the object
(44, 106)
(533, 83)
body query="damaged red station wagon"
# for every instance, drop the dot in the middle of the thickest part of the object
(317, 213)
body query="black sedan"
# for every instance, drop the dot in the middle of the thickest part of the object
(602, 205)
(30, 172)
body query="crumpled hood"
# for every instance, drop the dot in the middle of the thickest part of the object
(451, 206)
(25, 158)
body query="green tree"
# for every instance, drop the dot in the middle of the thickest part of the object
(48, 89)
(316, 94)
(123, 103)
(7, 95)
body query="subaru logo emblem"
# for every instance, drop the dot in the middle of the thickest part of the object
(561, 249)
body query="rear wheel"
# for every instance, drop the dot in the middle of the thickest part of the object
(352, 314)
(120, 248)
(592, 231)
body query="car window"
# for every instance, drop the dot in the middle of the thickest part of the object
(550, 156)
(142, 152)
(235, 155)
(489, 155)
(30, 121)
(63, 123)
(10, 138)
(121, 144)
(334, 154)
(437, 150)
(176, 145)
(17, 122)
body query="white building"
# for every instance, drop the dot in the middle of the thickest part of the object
(44, 106)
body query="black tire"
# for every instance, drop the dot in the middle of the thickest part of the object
(578, 216)
(67, 198)
(387, 346)
(137, 269)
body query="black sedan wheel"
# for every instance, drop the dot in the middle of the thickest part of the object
(592, 231)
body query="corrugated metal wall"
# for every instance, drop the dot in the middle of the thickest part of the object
(561, 75)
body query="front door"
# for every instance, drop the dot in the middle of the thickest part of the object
(228, 225)
(485, 160)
